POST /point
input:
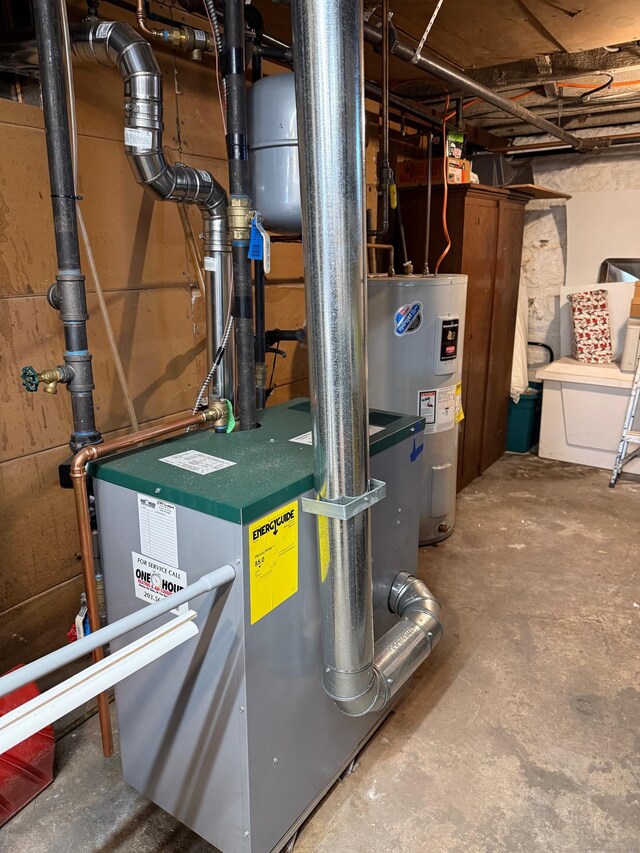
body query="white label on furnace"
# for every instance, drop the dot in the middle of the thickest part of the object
(158, 529)
(138, 138)
(438, 408)
(209, 264)
(102, 30)
(197, 462)
(154, 581)
(306, 437)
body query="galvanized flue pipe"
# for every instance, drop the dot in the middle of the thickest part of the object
(328, 53)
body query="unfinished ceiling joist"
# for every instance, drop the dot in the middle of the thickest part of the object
(528, 73)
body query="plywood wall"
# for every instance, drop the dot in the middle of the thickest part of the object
(154, 305)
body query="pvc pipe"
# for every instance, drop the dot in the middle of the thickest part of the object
(32, 671)
(34, 715)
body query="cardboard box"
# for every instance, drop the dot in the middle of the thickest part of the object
(413, 173)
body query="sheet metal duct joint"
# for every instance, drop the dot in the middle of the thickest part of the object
(118, 44)
(347, 507)
(397, 654)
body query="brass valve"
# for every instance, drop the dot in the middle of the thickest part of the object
(49, 379)
(217, 413)
(239, 214)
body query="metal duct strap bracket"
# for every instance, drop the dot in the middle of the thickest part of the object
(346, 508)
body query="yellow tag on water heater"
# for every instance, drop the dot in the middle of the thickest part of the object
(273, 560)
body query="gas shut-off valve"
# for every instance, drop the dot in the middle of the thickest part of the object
(49, 379)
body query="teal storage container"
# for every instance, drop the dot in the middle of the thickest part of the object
(523, 429)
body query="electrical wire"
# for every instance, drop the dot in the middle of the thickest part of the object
(73, 128)
(215, 365)
(445, 192)
(217, 44)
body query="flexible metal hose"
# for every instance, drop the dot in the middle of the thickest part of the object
(214, 366)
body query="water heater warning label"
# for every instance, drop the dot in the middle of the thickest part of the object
(438, 408)
(154, 581)
(273, 560)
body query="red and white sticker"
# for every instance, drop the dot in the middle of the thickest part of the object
(154, 581)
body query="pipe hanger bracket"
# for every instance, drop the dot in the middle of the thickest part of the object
(346, 508)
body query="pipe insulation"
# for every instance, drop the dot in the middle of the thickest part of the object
(328, 61)
(118, 45)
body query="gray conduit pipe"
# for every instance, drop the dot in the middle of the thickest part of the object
(118, 45)
(328, 53)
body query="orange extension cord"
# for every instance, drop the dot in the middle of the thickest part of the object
(445, 193)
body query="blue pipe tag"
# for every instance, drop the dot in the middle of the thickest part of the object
(259, 244)
(256, 246)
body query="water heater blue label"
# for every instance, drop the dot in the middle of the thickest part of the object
(408, 319)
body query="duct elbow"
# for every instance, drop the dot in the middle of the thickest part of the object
(356, 704)
(118, 45)
(397, 655)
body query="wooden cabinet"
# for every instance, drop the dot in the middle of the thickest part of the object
(486, 225)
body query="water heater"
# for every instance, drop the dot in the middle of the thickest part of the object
(416, 331)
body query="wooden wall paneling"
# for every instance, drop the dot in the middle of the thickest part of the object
(510, 227)
(40, 624)
(289, 392)
(38, 535)
(285, 309)
(160, 337)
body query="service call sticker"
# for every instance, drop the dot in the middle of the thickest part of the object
(407, 319)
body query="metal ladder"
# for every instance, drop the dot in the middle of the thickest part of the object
(629, 435)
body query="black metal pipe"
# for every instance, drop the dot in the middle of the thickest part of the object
(456, 78)
(276, 54)
(256, 22)
(427, 227)
(261, 345)
(385, 168)
(233, 60)
(69, 289)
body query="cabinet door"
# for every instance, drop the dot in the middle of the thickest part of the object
(478, 261)
(503, 323)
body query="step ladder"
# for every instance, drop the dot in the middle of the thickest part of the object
(629, 435)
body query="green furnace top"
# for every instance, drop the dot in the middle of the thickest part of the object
(269, 467)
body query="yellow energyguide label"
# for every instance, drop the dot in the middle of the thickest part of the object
(273, 560)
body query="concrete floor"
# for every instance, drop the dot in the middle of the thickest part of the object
(521, 733)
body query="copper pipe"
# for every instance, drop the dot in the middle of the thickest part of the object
(141, 18)
(79, 478)
(389, 248)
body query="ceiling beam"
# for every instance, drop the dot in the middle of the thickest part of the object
(526, 73)
(582, 109)
(573, 123)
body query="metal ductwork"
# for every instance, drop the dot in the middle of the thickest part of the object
(328, 61)
(117, 44)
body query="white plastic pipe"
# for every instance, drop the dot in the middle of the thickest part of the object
(32, 716)
(32, 671)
